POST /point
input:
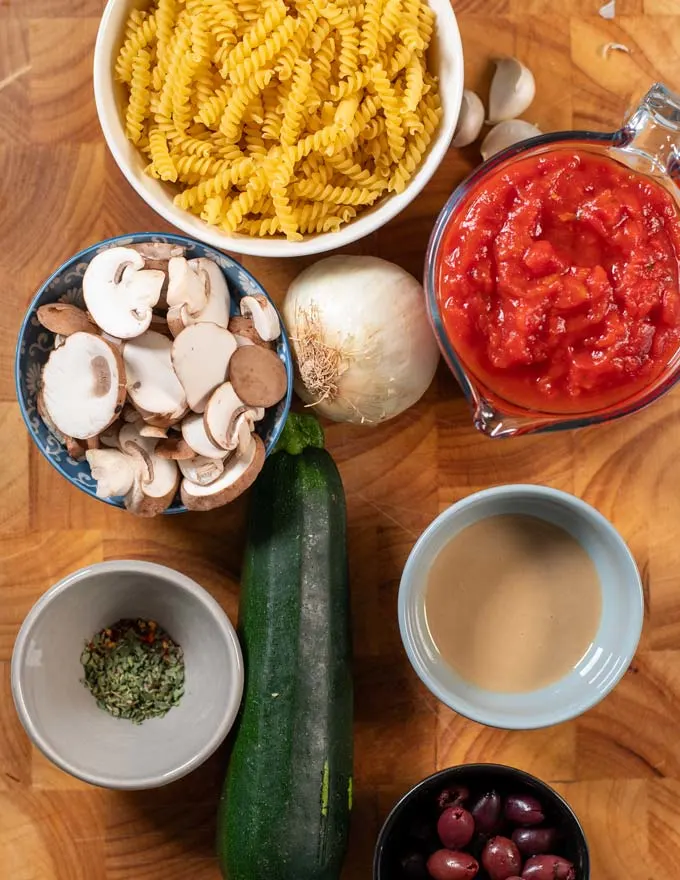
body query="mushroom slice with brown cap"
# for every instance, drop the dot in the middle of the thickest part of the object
(113, 471)
(64, 319)
(157, 254)
(196, 436)
(187, 287)
(83, 385)
(216, 308)
(176, 448)
(152, 431)
(245, 332)
(239, 473)
(200, 357)
(258, 376)
(220, 415)
(120, 293)
(263, 315)
(202, 470)
(155, 478)
(152, 384)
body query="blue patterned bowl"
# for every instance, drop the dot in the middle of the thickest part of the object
(35, 344)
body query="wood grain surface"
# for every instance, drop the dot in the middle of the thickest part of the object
(619, 765)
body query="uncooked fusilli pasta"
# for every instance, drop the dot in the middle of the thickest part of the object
(280, 117)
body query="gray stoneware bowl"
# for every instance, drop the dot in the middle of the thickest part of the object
(61, 716)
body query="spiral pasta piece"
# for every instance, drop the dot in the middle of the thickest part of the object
(293, 116)
(141, 33)
(160, 156)
(390, 105)
(257, 33)
(230, 124)
(138, 107)
(370, 29)
(265, 53)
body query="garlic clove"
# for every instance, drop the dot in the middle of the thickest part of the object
(470, 120)
(512, 90)
(505, 134)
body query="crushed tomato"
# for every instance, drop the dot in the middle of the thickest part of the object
(558, 284)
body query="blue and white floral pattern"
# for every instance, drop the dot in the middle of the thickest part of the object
(35, 344)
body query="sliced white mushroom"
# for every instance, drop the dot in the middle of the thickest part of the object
(221, 413)
(505, 135)
(263, 315)
(245, 332)
(113, 471)
(258, 375)
(157, 254)
(216, 309)
(120, 293)
(176, 448)
(152, 431)
(83, 385)
(470, 120)
(187, 286)
(200, 470)
(65, 319)
(156, 479)
(152, 383)
(239, 473)
(200, 357)
(59, 340)
(243, 438)
(196, 436)
(109, 437)
(512, 90)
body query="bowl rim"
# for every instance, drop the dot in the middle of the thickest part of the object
(582, 509)
(172, 237)
(459, 769)
(104, 93)
(182, 582)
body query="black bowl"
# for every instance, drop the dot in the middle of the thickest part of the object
(411, 826)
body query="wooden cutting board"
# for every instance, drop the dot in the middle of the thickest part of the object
(619, 766)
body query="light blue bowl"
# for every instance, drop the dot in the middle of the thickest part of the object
(65, 285)
(605, 662)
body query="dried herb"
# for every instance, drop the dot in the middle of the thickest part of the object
(134, 670)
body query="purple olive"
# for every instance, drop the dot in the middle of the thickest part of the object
(413, 867)
(455, 827)
(548, 868)
(523, 809)
(534, 841)
(501, 858)
(486, 812)
(454, 796)
(446, 864)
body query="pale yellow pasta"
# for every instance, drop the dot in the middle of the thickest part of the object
(293, 116)
(138, 106)
(280, 117)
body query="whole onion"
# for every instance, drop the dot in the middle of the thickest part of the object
(362, 341)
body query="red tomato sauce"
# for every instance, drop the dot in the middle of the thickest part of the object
(558, 284)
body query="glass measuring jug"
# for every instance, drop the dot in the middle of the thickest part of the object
(648, 143)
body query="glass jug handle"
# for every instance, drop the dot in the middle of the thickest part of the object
(650, 136)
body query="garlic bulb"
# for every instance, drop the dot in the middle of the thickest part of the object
(362, 341)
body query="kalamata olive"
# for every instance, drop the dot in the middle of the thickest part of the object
(501, 858)
(454, 796)
(523, 809)
(447, 864)
(413, 867)
(534, 841)
(486, 812)
(548, 867)
(455, 827)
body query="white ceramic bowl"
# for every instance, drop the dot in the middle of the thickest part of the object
(604, 663)
(447, 62)
(61, 716)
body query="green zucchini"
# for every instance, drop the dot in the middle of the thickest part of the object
(284, 813)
